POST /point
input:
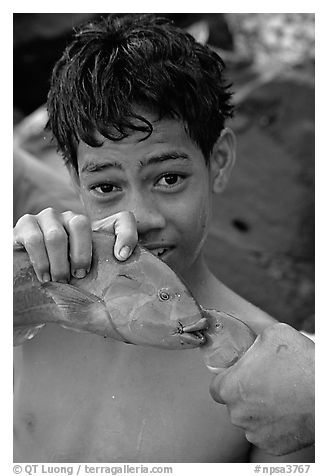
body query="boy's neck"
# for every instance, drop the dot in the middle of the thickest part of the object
(211, 293)
(200, 281)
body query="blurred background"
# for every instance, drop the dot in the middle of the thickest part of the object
(261, 242)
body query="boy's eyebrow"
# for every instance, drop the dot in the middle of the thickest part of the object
(91, 166)
(155, 159)
(99, 166)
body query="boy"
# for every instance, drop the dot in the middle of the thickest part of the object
(138, 110)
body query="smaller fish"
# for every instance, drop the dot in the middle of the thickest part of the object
(139, 301)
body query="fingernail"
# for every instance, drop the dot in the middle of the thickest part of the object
(125, 252)
(46, 278)
(80, 273)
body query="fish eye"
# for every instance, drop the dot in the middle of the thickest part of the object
(163, 295)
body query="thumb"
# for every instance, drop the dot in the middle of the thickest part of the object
(217, 384)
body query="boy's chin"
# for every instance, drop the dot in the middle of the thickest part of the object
(170, 258)
(179, 263)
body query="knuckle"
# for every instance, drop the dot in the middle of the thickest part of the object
(277, 325)
(25, 217)
(55, 236)
(47, 212)
(32, 240)
(24, 220)
(68, 214)
(283, 327)
(79, 221)
(276, 332)
(126, 218)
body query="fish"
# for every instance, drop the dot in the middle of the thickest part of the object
(228, 338)
(138, 301)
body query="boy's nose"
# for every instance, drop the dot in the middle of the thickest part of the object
(148, 216)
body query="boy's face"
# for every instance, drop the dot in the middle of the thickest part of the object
(163, 180)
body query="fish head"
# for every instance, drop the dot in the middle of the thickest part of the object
(150, 305)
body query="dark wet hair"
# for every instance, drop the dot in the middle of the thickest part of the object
(119, 62)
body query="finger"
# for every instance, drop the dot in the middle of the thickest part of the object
(105, 224)
(78, 228)
(56, 242)
(28, 235)
(217, 390)
(124, 227)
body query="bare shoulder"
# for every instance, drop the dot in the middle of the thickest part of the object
(222, 298)
(37, 186)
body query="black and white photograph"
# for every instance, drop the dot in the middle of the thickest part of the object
(163, 240)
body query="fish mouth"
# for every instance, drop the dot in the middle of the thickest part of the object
(196, 338)
(193, 333)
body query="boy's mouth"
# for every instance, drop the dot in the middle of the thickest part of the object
(159, 252)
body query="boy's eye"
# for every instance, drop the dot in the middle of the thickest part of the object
(104, 188)
(170, 180)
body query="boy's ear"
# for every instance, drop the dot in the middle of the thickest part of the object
(222, 160)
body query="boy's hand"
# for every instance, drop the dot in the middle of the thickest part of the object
(59, 244)
(269, 392)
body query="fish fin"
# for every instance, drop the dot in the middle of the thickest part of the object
(71, 299)
(81, 310)
(73, 303)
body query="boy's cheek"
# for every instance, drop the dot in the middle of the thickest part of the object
(95, 211)
(194, 228)
(196, 218)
